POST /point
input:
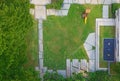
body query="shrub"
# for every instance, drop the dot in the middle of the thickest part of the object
(55, 4)
(114, 7)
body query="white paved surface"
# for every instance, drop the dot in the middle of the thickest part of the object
(87, 46)
(40, 12)
(88, 1)
(105, 11)
(108, 2)
(65, 6)
(91, 54)
(89, 43)
(40, 2)
(91, 65)
(91, 39)
(32, 11)
(94, 2)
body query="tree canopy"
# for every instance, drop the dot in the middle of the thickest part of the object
(15, 22)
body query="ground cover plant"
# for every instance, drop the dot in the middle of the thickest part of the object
(105, 32)
(55, 4)
(90, 76)
(64, 36)
(114, 7)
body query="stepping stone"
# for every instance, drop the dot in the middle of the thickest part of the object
(81, 2)
(115, 1)
(105, 11)
(40, 12)
(108, 2)
(32, 11)
(76, 1)
(87, 46)
(64, 12)
(40, 55)
(45, 70)
(40, 2)
(40, 34)
(68, 67)
(62, 72)
(89, 41)
(75, 63)
(41, 64)
(65, 6)
(67, 1)
(51, 12)
(37, 68)
(94, 2)
(88, 1)
(41, 47)
(100, 1)
(91, 65)
(91, 54)
(84, 65)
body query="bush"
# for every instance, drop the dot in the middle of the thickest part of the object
(55, 4)
(114, 7)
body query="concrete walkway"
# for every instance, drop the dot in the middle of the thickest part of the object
(105, 11)
(88, 45)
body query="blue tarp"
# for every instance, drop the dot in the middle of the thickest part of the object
(109, 49)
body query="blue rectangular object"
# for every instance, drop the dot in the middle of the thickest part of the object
(109, 50)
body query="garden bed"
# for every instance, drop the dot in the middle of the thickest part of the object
(105, 32)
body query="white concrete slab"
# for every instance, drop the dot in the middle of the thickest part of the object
(76, 1)
(105, 11)
(94, 2)
(91, 66)
(67, 1)
(65, 6)
(87, 46)
(68, 67)
(91, 54)
(108, 2)
(115, 1)
(91, 39)
(40, 2)
(83, 65)
(40, 12)
(100, 1)
(81, 1)
(51, 12)
(87, 1)
(32, 11)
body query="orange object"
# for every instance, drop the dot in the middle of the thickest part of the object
(88, 10)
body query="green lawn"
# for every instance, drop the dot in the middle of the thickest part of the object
(64, 36)
(32, 45)
(105, 32)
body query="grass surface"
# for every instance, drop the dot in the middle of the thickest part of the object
(64, 36)
(55, 4)
(32, 45)
(105, 32)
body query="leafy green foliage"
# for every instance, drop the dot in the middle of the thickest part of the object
(54, 76)
(114, 7)
(55, 4)
(15, 22)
